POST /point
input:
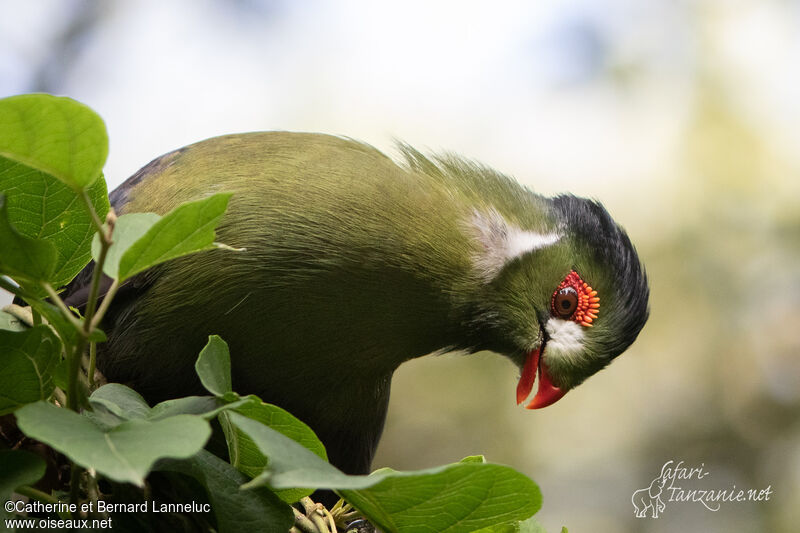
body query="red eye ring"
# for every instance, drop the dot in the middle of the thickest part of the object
(586, 302)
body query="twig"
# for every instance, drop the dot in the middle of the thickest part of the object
(316, 512)
(60, 396)
(303, 523)
(51, 292)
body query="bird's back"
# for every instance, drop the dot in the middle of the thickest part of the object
(338, 283)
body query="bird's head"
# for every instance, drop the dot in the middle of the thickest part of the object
(563, 300)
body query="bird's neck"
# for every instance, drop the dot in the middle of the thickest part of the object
(421, 300)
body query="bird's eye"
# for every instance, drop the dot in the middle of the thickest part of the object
(575, 300)
(566, 301)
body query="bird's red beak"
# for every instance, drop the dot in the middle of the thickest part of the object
(547, 393)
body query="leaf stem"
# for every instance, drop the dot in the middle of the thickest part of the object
(101, 310)
(75, 482)
(11, 287)
(41, 496)
(74, 403)
(92, 363)
(51, 292)
(36, 494)
(97, 275)
(74, 366)
(93, 491)
(87, 202)
(89, 323)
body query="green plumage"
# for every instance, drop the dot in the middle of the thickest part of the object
(353, 264)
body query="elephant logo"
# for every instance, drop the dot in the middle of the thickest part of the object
(650, 498)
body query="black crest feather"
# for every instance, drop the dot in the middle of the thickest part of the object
(591, 224)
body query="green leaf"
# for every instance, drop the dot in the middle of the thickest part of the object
(453, 498)
(531, 525)
(17, 468)
(23, 258)
(285, 423)
(244, 453)
(124, 453)
(458, 498)
(187, 228)
(235, 510)
(213, 366)
(65, 329)
(127, 230)
(27, 361)
(206, 406)
(291, 465)
(56, 135)
(97, 335)
(61, 374)
(124, 403)
(41, 207)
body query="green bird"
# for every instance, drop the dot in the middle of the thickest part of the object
(355, 263)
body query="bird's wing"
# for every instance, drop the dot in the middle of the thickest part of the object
(76, 294)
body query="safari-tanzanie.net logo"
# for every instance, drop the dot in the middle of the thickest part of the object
(681, 483)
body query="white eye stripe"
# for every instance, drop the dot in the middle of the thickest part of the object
(503, 242)
(520, 242)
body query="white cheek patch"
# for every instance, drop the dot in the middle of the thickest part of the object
(503, 242)
(566, 339)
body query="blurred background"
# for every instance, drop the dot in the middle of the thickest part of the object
(682, 117)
